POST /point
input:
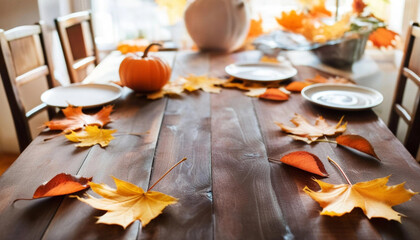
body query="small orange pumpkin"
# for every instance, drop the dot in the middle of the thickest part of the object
(145, 73)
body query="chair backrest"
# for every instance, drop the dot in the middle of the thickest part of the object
(24, 59)
(78, 42)
(410, 69)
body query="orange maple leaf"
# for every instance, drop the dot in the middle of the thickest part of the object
(358, 6)
(62, 184)
(291, 21)
(357, 142)
(76, 119)
(383, 37)
(255, 28)
(319, 10)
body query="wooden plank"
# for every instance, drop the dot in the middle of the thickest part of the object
(245, 204)
(185, 132)
(40, 162)
(127, 157)
(300, 208)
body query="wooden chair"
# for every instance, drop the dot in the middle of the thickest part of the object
(23, 59)
(410, 69)
(78, 42)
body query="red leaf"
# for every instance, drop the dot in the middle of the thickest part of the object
(358, 143)
(274, 94)
(305, 161)
(61, 184)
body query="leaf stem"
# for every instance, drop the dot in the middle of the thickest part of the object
(341, 170)
(54, 136)
(176, 164)
(273, 160)
(325, 140)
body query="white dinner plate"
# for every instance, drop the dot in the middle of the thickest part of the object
(342, 96)
(81, 95)
(261, 71)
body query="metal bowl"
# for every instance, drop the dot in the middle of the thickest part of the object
(344, 52)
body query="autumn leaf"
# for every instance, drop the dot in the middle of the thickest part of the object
(255, 28)
(76, 119)
(358, 6)
(128, 202)
(306, 132)
(207, 84)
(383, 37)
(319, 32)
(135, 45)
(374, 197)
(320, 79)
(318, 10)
(90, 136)
(291, 21)
(171, 88)
(61, 184)
(305, 161)
(274, 94)
(268, 59)
(297, 86)
(358, 143)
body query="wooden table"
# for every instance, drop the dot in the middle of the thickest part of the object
(227, 187)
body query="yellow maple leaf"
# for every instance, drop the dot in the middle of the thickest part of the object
(127, 203)
(174, 9)
(304, 131)
(374, 197)
(90, 136)
(207, 84)
(171, 88)
(320, 32)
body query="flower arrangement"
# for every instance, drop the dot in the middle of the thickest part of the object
(314, 23)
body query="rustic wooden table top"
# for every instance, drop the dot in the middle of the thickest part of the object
(227, 188)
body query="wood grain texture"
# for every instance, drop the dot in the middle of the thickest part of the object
(359, 168)
(245, 204)
(38, 164)
(185, 132)
(127, 157)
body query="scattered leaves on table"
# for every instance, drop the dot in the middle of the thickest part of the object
(172, 88)
(90, 136)
(305, 161)
(207, 84)
(61, 184)
(297, 86)
(304, 131)
(135, 45)
(358, 143)
(383, 37)
(274, 94)
(267, 59)
(320, 79)
(76, 119)
(127, 203)
(374, 197)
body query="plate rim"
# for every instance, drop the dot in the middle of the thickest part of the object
(260, 64)
(77, 85)
(351, 86)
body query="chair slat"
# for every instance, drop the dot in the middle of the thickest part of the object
(402, 112)
(32, 75)
(412, 75)
(21, 32)
(34, 111)
(82, 63)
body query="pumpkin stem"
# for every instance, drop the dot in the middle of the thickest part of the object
(146, 51)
